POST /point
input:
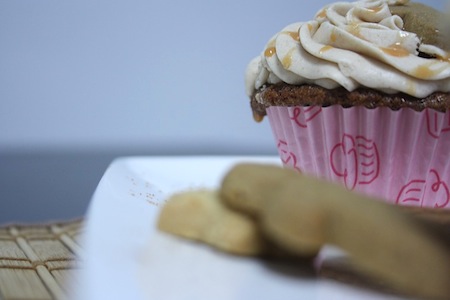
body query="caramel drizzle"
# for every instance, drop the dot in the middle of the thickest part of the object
(333, 36)
(425, 72)
(322, 13)
(257, 117)
(270, 50)
(355, 30)
(375, 9)
(287, 60)
(325, 49)
(445, 59)
(294, 35)
(395, 50)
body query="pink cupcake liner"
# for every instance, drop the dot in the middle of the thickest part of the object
(400, 156)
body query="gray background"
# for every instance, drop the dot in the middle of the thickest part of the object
(83, 82)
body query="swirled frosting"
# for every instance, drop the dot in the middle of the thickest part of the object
(352, 45)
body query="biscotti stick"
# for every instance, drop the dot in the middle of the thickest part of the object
(304, 212)
(243, 191)
(199, 215)
(383, 242)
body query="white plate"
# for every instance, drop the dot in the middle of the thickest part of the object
(126, 258)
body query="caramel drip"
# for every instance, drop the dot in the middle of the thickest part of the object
(355, 30)
(425, 72)
(325, 48)
(333, 36)
(411, 88)
(445, 58)
(270, 50)
(287, 60)
(257, 117)
(294, 35)
(322, 13)
(395, 50)
(375, 9)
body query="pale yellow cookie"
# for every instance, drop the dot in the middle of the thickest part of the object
(200, 215)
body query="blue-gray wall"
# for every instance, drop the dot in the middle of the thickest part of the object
(82, 82)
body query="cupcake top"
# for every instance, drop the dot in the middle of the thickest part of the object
(386, 45)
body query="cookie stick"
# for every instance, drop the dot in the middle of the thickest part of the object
(199, 215)
(304, 212)
(246, 185)
(243, 191)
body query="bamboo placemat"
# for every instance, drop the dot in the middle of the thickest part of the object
(38, 261)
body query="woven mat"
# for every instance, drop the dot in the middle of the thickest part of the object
(38, 261)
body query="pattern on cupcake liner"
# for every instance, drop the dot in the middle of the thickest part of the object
(356, 160)
(287, 157)
(437, 123)
(303, 115)
(413, 193)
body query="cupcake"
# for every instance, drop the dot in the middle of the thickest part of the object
(360, 96)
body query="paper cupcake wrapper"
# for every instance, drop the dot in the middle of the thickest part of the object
(400, 156)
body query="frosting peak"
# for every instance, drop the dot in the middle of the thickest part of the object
(353, 44)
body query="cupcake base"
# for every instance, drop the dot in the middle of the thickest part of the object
(401, 156)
